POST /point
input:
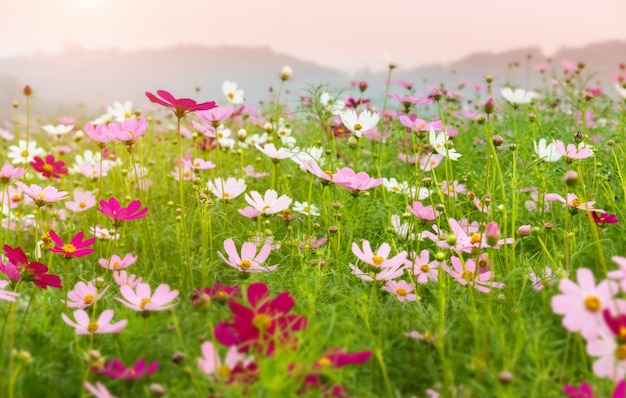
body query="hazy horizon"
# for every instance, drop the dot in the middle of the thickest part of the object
(345, 35)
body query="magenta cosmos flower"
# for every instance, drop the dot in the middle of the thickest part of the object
(84, 325)
(116, 370)
(50, 168)
(180, 106)
(119, 214)
(19, 268)
(582, 304)
(76, 248)
(143, 300)
(249, 261)
(585, 390)
(262, 325)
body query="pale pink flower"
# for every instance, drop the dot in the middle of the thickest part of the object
(129, 131)
(5, 294)
(84, 295)
(356, 182)
(82, 201)
(572, 152)
(426, 336)
(380, 259)
(123, 279)
(84, 325)
(250, 172)
(582, 304)
(453, 189)
(249, 212)
(430, 162)
(211, 364)
(568, 66)
(216, 116)
(103, 233)
(270, 203)
(385, 274)
(8, 173)
(422, 267)
(99, 133)
(533, 204)
(199, 164)
(42, 196)
(98, 391)
(573, 202)
(187, 173)
(250, 261)
(424, 213)
(227, 189)
(402, 290)
(612, 356)
(117, 263)
(544, 280)
(276, 155)
(141, 299)
(467, 274)
(314, 168)
(620, 274)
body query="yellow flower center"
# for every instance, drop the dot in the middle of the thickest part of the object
(421, 126)
(395, 188)
(425, 268)
(324, 361)
(69, 248)
(222, 294)
(82, 205)
(266, 207)
(475, 238)
(245, 264)
(577, 202)
(357, 126)
(329, 174)
(224, 371)
(468, 276)
(116, 264)
(42, 196)
(401, 292)
(47, 168)
(450, 189)
(226, 195)
(16, 198)
(144, 302)
(622, 332)
(377, 259)
(88, 299)
(620, 352)
(92, 327)
(262, 321)
(24, 154)
(231, 95)
(593, 303)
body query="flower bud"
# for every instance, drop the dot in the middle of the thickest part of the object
(497, 140)
(570, 178)
(285, 73)
(242, 134)
(353, 142)
(178, 357)
(524, 230)
(548, 226)
(532, 117)
(333, 229)
(437, 94)
(426, 181)
(489, 78)
(492, 232)
(490, 106)
(480, 119)
(579, 136)
(362, 85)
(157, 390)
(27, 91)
(505, 377)
(15, 104)
(451, 239)
(440, 256)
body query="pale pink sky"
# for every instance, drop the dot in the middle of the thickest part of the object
(345, 34)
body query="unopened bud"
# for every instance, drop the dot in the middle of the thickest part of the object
(532, 117)
(548, 226)
(579, 136)
(285, 73)
(242, 134)
(426, 181)
(505, 377)
(333, 229)
(497, 140)
(27, 91)
(353, 142)
(437, 94)
(480, 119)
(178, 357)
(489, 78)
(157, 390)
(570, 178)
(490, 106)
(524, 230)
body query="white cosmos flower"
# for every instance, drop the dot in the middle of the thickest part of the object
(392, 185)
(621, 90)
(519, 96)
(58, 130)
(233, 95)
(23, 153)
(310, 155)
(120, 111)
(439, 142)
(359, 124)
(306, 209)
(547, 152)
(333, 105)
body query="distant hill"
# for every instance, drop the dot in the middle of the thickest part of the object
(80, 80)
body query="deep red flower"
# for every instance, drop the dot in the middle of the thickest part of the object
(355, 103)
(218, 292)
(119, 214)
(76, 248)
(337, 358)
(50, 168)
(603, 219)
(180, 106)
(116, 370)
(263, 324)
(19, 268)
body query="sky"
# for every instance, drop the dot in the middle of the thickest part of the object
(344, 34)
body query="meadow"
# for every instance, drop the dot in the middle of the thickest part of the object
(442, 242)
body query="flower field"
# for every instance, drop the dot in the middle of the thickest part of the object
(436, 242)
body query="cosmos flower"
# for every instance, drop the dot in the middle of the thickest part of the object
(116, 370)
(270, 203)
(117, 263)
(9, 173)
(519, 96)
(6, 294)
(547, 152)
(143, 300)
(439, 142)
(250, 261)
(23, 152)
(76, 248)
(233, 95)
(227, 189)
(20, 268)
(360, 123)
(81, 201)
(42, 196)
(83, 295)
(84, 325)
(467, 274)
(120, 214)
(180, 106)
(402, 290)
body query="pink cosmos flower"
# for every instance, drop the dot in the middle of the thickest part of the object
(120, 214)
(315, 169)
(84, 325)
(582, 304)
(116, 370)
(199, 164)
(422, 267)
(572, 152)
(211, 364)
(4, 294)
(620, 274)
(425, 337)
(99, 133)
(215, 116)
(533, 204)
(81, 201)
(544, 280)
(453, 189)
(424, 213)
(142, 300)
(117, 263)
(611, 362)
(250, 172)
(467, 274)
(227, 189)
(568, 66)
(249, 212)
(270, 203)
(356, 182)
(129, 131)
(180, 106)
(83, 295)
(98, 391)
(573, 202)
(421, 126)
(380, 259)
(42, 196)
(76, 248)
(123, 279)
(402, 290)
(8, 173)
(250, 261)
(276, 155)
(585, 390)
(187, 173)
(384, 274)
